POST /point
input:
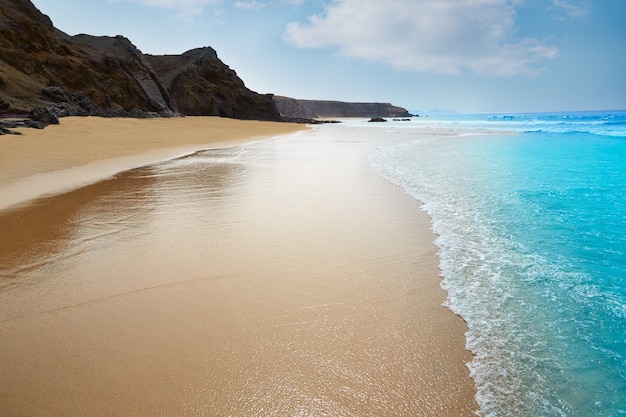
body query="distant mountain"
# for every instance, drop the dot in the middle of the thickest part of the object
(45, 74)
(296, 108)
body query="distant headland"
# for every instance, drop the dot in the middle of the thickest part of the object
(313, 109)
(46, 74)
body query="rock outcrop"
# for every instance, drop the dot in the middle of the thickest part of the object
(291, 107)
(45, 74)
(295, 108)
(200, 84)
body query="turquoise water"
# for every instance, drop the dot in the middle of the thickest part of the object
(530, 213)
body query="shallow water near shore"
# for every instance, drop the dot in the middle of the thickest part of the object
(532, 240)
(279, 278)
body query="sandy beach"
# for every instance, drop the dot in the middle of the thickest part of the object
(257, 278)
(86, 149)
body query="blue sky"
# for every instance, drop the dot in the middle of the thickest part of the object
(462, 55)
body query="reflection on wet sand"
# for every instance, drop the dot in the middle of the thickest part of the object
(35, 236)
(66, 231)
(282, 278)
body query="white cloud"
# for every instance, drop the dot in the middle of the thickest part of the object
(257, 5)
(189, 8)
(185, 8)
(448, 36)
(175, 4)
(574, 9)
(250, 5)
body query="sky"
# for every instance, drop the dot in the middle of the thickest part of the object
(472, 56)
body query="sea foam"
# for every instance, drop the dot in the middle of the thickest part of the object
(531, 235)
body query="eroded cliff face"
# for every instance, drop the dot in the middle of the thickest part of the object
(46, 73)
(200, 84)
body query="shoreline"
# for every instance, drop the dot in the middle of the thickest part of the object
(310, 285)
(83, 150)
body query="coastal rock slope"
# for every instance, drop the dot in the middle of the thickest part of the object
(45, 73)
(295, 108)
(200, 84)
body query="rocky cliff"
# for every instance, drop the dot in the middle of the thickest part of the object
(296, 108)
(200, 84)
(45, 73)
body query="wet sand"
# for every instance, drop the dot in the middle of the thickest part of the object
(85, 149)
(276, 278)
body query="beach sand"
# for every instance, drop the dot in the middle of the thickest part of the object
(85, 149)
(275, 278)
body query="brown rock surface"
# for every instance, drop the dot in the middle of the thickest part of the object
(42, 67)
(200, 84)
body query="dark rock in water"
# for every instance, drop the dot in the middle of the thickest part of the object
(377, 119)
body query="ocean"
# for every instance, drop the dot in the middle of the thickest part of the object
(530, 214)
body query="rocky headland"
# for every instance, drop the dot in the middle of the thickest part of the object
(46, 74)
(313, 109)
